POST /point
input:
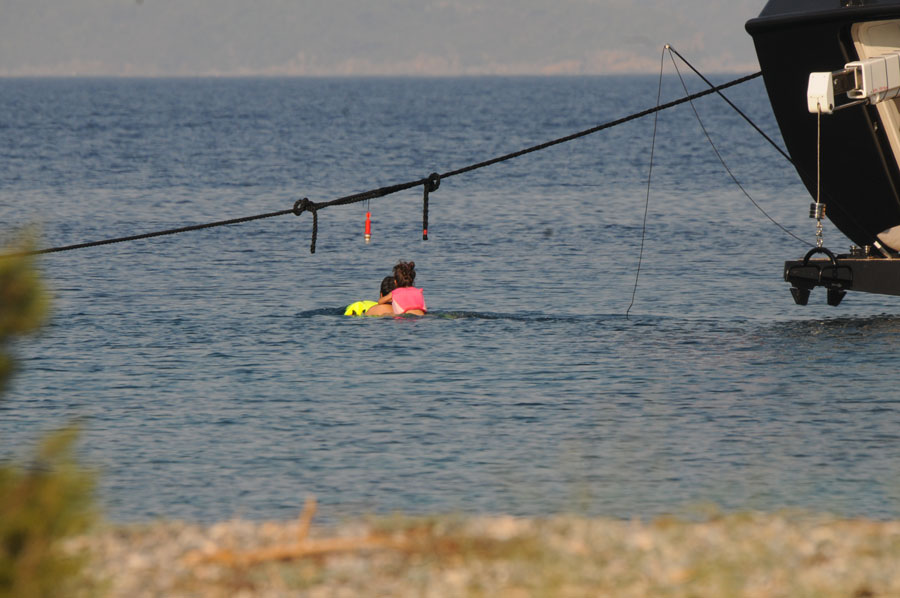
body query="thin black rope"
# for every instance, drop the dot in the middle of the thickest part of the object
(846, 214)
(309, 206)
(722, 160)
(637, 273)
(730, 103)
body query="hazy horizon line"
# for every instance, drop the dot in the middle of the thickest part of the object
(362, 76)
(422, 65)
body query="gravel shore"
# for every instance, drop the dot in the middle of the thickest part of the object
(751, 554)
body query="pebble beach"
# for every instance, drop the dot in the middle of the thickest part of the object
(757, 555)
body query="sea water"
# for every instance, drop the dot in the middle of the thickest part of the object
(214, 375)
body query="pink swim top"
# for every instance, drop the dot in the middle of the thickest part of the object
(407, 298)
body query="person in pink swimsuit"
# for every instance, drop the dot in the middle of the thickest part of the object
(405, 298)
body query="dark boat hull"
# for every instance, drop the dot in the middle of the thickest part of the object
(860, 177)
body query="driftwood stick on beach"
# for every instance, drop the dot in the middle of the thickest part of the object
(304, 547)
(306, 517)
(289, 552)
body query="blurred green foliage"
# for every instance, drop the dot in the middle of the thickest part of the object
(23, 304)
(41, 504)
(49, 499)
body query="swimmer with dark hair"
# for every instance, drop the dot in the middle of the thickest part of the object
(404, 298)
(387, 285)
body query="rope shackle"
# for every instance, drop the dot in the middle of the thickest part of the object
(304, 205)
(431, 184)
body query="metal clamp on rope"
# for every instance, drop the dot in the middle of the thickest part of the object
(431, 184)
(304, 205)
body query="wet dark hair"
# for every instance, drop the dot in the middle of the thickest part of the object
(387, 285)
(405, 273)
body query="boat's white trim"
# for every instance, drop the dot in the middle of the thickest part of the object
(875, 38)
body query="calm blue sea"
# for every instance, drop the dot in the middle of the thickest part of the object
(215, 376)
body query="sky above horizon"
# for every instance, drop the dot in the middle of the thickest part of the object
(369, 37)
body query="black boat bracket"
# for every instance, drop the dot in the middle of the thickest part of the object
(806, 276)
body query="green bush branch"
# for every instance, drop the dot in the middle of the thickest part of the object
(40, 505)
(23, 304)
(51, 498)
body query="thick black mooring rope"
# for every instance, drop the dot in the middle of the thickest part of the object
(304, 205)
(430, 182)
(159, 233)
(434, 181)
